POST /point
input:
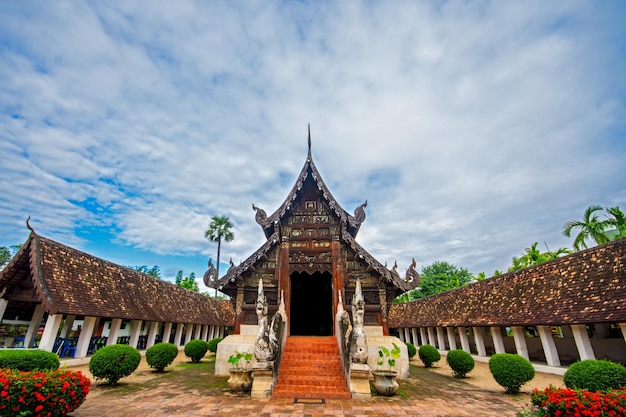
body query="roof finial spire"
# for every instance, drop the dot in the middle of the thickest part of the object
(29, 226)
(309, 139)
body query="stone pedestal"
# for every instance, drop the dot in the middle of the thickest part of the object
(360, 381)
(263, 382)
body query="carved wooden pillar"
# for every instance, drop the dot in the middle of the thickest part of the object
(382, 295)
(282, 269)
(238, 307)
(337, 273)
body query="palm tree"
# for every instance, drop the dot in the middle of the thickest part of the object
(616, 221)
(219, 228)
(590, 227)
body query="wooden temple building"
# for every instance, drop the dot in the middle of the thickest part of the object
(311, 256)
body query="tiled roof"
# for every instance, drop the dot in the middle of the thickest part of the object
(69, 281)
(585, 287)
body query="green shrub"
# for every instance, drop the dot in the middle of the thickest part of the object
(28, 360)
(595, 375)
(161, 355)
(37, 393)
(196, 349)
(429, 355)
(213, 344)
(114, 362)
(411, 349)
(511, 371)
(460, 361)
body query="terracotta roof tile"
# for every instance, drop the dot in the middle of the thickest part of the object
(584, 287)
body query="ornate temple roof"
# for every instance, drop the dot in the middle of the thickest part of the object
(67, 281)
(350, 223)
(585, 287)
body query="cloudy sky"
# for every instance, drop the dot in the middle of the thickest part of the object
(473, 129)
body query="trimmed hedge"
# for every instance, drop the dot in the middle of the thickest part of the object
(411, 350)
(28, 360)
(429, 355)
(511, 371)
(114, 362)
(161, 355)
(213, 344)
(595, 375)
(196, 349)
(36, 393)
(460, 361)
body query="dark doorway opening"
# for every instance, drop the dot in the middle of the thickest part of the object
(311, 304)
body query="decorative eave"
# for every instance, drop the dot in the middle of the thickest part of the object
(390, 276)
(235, 271)
(269, 223)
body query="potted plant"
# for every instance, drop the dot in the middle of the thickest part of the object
(240, 375)
(385, 376)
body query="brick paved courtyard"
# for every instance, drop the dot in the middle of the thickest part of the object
(193, 390)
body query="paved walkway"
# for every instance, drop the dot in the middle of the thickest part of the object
(193, 390)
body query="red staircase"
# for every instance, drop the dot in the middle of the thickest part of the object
(311, 368)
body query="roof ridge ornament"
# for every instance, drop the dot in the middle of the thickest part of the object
(309, 140)
(29, 226)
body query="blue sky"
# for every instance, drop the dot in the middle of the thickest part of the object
(473, 129)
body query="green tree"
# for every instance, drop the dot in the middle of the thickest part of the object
(7, 253)
(188, 282)
(154, 272)
(534, 256)
(616, 223)
(590, 227)
(438, 277)
(219, 228)
(5, 256)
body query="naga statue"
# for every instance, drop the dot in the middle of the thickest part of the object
(358, 348)
(262, 348)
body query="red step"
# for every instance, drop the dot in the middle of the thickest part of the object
(311, 368)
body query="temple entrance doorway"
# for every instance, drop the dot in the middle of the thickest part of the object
(311, 304)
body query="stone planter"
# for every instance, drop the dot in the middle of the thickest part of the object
(385, 382)
(240, 380)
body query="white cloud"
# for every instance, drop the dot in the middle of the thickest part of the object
(473, 130)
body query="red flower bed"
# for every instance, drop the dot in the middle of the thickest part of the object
(41, 394)
(581, 403)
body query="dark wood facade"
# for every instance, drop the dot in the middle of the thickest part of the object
(311, 256)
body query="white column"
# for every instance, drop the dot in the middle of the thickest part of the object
(549, 348)
(520, 341)
(407, 335)
(167, 332)
(114, 332)
(50, 332)
(179, 334)
(220, 332)
(33, 327)
(431, 337)
(85, 337)
(67, 327)
(464, 340)
(623, 327)
(135, 332)
(205, 332)
(441, 341)
(451, 338)
(424, 335)
(152, 333)
(414, 336)
(211, 332)
(479, 338)
(198, 329)
(401, 335)
(498, 342)
(3, 307)
(583, 344)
